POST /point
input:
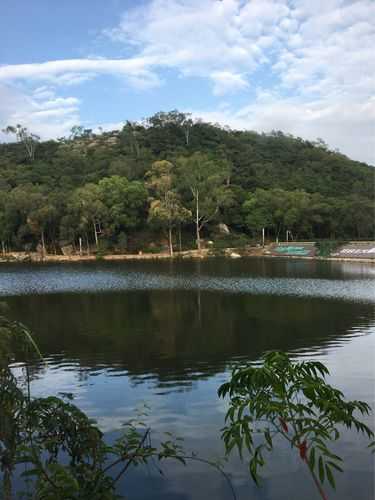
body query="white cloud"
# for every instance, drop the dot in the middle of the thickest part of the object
(70, 71)
(311, 62)
(226, 82)
(41, 111)
(335, 122)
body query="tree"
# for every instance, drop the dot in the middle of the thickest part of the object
(256, 212)
(42, 215)
(287, 183)
(124, 203)
(294, 401)
(87, 206)
(165, 203)
(204, 178)
(31, 211)
(29, 140)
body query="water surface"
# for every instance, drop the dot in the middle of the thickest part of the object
(167, 333)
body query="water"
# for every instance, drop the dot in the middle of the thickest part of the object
(166, 333)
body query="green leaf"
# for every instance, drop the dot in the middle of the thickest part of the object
(330, 477)
(312, 459)
(335, 466)
(321, 470)
(268, 438)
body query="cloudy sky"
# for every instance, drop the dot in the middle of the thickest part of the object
(306, 67)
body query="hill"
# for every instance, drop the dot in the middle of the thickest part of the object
(93, 186)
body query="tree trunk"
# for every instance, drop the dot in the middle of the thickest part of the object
(7, 485)
(277, 234)
(43, 242)
(96, 235)
(180, 238)
(170, 241)
(88, 245)
(197, 221)
(3, 248)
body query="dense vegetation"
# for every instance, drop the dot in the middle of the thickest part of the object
(167, 176)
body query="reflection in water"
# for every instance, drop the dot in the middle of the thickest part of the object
(182, 333)
(250, 276)
(167, 333)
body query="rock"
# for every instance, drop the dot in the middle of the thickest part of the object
(234, 255)
(223, 228)
(67, 250)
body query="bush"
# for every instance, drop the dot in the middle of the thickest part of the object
(326, 247)
(231, 241)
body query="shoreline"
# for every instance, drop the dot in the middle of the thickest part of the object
(228, 253)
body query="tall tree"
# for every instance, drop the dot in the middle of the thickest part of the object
(28, 139)
(205, 179)
(90, 211)
(124, 203)
(165, 203)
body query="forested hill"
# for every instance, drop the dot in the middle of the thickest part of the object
(257, 180)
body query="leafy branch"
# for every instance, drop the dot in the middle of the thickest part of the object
(294, 401)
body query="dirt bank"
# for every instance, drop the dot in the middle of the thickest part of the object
(188, 254)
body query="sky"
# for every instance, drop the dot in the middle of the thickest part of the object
(306, 67)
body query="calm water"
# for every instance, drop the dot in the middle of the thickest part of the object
(117, 335)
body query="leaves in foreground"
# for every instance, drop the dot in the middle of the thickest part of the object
(63, 453)
(294, 401)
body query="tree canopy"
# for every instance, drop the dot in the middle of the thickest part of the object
(95, 186)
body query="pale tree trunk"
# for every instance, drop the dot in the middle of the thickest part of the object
(187, 136)
(43, 242)
(197, 221)
(277, 234)
(170, 241)
(180, 238)
(96, 235)
(3, 247)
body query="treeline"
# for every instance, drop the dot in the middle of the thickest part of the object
(170, 175)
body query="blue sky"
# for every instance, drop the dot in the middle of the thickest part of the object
(303, 67)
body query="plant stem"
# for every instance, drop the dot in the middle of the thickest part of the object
(316, 481)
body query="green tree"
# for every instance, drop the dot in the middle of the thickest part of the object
(204, 179)
(165, 204)
(256, 211)
(31, 212)
(124, 203)
(85, 204)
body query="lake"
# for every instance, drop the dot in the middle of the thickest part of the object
(118, 335)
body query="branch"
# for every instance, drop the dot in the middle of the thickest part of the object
(126, 466)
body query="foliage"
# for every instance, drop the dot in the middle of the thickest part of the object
(231, 241)
(28, 139)
(204, 180)
(165, 204)
(325, 248)
(292, 401)
(245, 179)
(63, 452)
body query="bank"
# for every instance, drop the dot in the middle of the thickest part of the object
(347, 252)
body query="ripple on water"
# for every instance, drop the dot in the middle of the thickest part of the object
(47, 281)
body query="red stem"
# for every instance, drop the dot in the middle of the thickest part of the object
(316, 481)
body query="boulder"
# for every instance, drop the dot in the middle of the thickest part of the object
(234, 255)
(223, 228)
